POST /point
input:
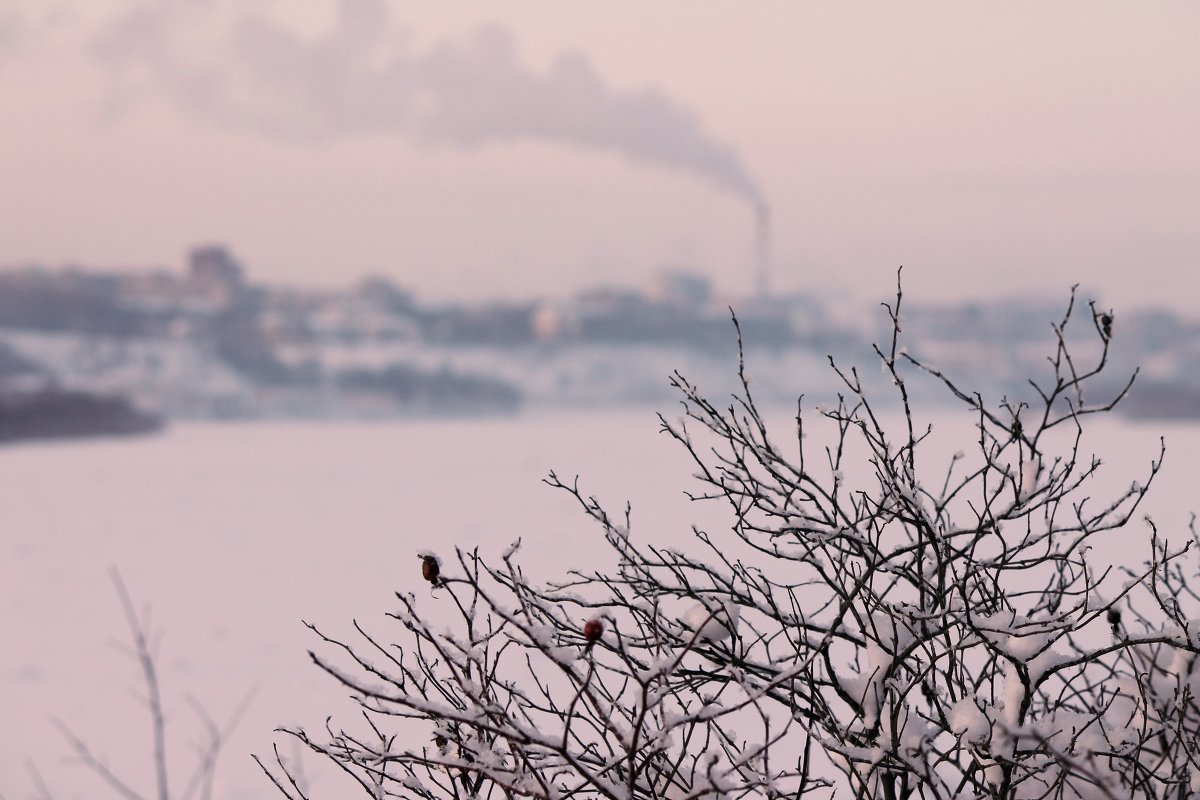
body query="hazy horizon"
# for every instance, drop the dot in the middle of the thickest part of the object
(304, 450)
(478, 151)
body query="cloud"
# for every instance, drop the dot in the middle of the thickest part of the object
(360, 77)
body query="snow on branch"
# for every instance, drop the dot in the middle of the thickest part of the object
(875, 621)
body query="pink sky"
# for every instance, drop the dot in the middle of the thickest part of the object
(989, 151)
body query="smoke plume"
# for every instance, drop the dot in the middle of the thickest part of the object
(361, 77)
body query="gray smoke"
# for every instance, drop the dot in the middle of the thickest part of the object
(361, 78)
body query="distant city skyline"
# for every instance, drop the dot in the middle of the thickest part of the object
(474, 151)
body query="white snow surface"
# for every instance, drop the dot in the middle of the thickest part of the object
(235, 533)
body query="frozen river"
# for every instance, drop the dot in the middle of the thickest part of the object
(235, 533)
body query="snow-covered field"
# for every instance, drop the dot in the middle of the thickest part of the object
(235, 533)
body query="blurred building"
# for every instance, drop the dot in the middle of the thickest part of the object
(215, 279)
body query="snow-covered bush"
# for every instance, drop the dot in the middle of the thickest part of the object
(876, 621)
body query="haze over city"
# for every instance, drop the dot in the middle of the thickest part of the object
(470, 151)
(303, 303)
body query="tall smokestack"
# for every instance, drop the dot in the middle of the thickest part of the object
(762, 252)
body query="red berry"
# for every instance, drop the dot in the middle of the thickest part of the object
(593, 629)
(430, 568)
